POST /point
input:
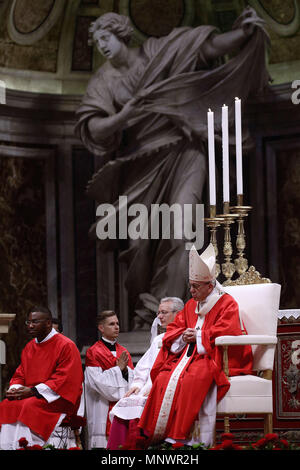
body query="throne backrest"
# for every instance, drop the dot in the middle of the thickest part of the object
(259, 305)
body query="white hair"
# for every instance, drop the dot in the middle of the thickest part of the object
(176, 301)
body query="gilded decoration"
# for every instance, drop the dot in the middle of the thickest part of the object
(251, 276)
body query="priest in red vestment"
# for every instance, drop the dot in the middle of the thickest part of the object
(108, 375)
(187, 375)
(45, 387)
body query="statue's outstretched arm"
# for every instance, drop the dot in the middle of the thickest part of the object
(221, 44)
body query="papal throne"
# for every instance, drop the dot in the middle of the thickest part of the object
(252, 394)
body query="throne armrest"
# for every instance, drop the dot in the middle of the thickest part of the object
(226, 341)
(245, 339)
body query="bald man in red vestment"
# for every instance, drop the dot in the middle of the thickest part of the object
(187, 375)
(46, 386)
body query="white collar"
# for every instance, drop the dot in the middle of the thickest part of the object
(52, 333)
(201, 304)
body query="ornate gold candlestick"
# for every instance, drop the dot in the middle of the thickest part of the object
(213, 223)
(228, 268)
(241, 263)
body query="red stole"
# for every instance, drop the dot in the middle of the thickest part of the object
(99, 355)
(56, 363)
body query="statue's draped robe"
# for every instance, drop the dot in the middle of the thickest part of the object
(160, 156)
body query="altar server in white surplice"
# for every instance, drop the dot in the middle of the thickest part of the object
(108, 375)
(131, 406)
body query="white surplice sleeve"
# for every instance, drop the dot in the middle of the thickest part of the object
(109, 383)
(144, 365)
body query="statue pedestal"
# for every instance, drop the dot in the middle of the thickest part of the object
(5, 321)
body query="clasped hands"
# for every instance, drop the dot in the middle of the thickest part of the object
(122, 361)
(19, 393)
(189, 335)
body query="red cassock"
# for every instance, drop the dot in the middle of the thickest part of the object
(197, 372)
(57, 364)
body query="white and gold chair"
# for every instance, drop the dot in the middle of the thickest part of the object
(252, 394)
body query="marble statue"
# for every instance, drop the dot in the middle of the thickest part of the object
(145, 113)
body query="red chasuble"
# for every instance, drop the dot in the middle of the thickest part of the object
(184, 382)
(99, 355)
(57, 364)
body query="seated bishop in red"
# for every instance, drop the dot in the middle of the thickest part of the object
(45, 387)
(187, 375)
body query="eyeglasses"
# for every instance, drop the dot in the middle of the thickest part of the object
(33, 322)
(198, 286)
(164, 312)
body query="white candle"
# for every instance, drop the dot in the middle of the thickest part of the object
(211, 158)
(238, 144)
(225, 154)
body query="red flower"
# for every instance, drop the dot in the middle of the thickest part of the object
(227, 436)
(23, 442)
(227, 445)
(271, 437)
(284, 442)
(74, 448)
(177, 445)
(74, 421)
(260, 443)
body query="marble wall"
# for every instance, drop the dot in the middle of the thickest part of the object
(22, 247)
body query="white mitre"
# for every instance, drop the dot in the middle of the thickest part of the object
(202, 268)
